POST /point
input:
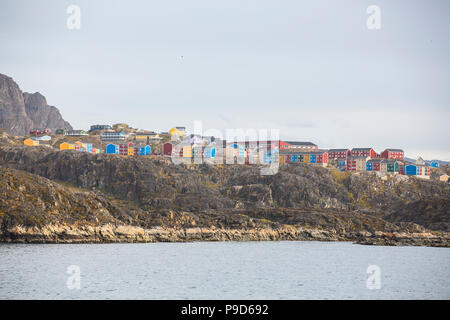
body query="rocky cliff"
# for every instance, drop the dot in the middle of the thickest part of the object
(20, 112)
(151, 199)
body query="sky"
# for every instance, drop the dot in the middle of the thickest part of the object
(311, 69)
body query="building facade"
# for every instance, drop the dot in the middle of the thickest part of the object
(113, 136)
(357, 163)
(363, 152)
(338, 153)
(389, 154)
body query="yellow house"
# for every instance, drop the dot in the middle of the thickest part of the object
(178, 131)
(145, 135)
(30, 142)
(187, 152)
(306, 158)
(281, 158)
(130, 151)
(66, 146)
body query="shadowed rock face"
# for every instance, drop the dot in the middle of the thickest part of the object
(21, 112)
(36, 209)
(69, 196)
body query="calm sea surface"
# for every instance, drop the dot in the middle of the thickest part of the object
(222, 270)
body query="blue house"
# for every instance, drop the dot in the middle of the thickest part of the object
(411, 170)
(313, 158)
(209, 152)
(434, 164)
(267, 157)
(294, 158)
(112, 148)
(342, 164)
(148, 150)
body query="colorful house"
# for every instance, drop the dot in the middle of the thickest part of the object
(321, 157)
(76, 133)
(177, 132)
(355, 163)
(66, 146)
(146, 135)
(113, 136)
(393, 154)
(306, 158)
(418, 171)
(30, 142)
(83, 146)
(123, 148)
(342, 164)
(267, 157)
(338, 153)
(411, 170)
(363, 152)
(434, 164)
(390, 166)
(187, 151)
(209, 152)
(298, 145)
(373, 165)
(369, 165)
(99, 127)
(420, 161)
(112, 149)
(167, 149)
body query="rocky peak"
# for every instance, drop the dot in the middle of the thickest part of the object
(20, 112)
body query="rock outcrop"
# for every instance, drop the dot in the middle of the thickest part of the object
(21, 112)
(69, 196)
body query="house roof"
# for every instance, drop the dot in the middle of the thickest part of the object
(303, 152)
(420, 161)
(146, 133)
(394, 150)
(338, 150)
(362, 149)
(390, 161)
(301, 143)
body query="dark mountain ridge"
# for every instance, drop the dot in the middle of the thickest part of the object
(21, 112)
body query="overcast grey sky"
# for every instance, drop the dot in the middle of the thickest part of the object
(311, 69)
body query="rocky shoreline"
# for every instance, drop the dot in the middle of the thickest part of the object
(48, 196)
(130, 234)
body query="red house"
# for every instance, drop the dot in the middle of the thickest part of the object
(123, 148)
(167, 149)
(338, 153)
(398, 154)
(363, 152)
(321, 157)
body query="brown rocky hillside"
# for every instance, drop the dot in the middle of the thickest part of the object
(151, 192)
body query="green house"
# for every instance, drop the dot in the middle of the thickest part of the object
(392, 166)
